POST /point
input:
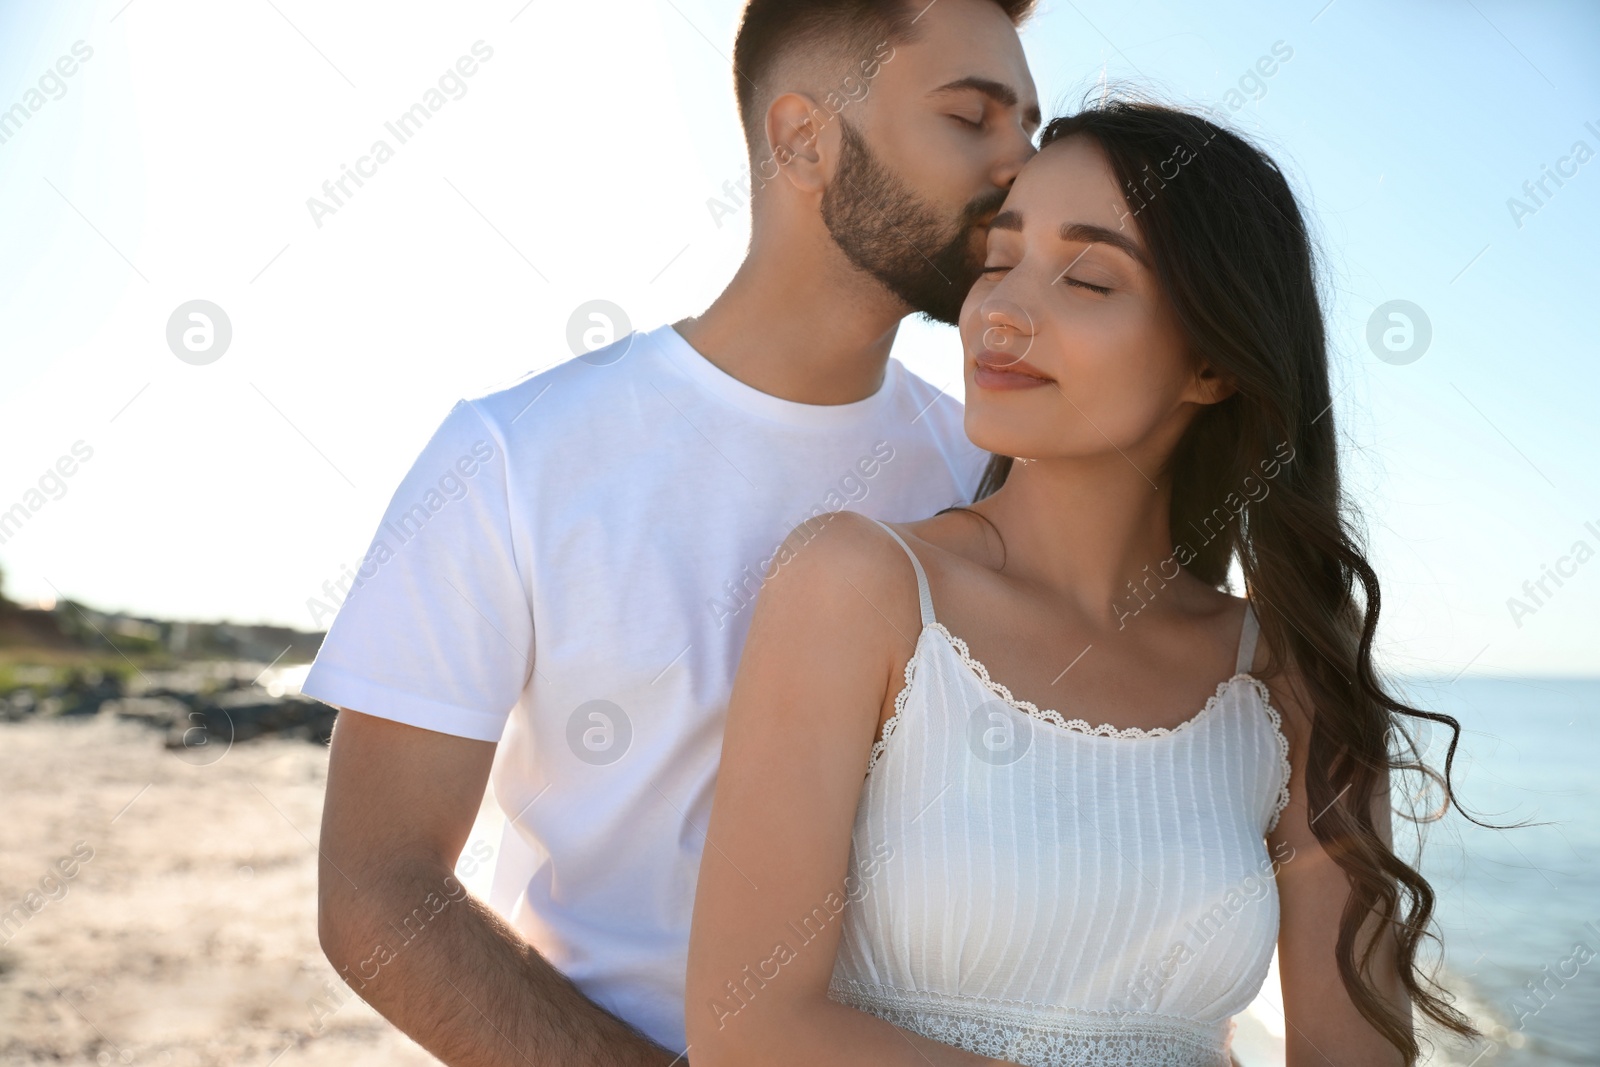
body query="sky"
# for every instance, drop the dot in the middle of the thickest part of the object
(577, 162)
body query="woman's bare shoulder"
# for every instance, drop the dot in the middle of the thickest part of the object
(842, 569)
(1280, 671)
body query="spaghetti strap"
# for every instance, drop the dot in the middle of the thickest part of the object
(924, 598)
(1248, 632)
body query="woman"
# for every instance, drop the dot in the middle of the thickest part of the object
(1104, 884)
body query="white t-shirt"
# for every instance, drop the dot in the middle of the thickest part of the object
(569, 569)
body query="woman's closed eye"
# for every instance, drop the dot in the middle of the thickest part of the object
(1101, 290)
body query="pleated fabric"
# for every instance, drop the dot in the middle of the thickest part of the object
(1044, 891)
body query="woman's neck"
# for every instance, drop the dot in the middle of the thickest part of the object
(1083, 530)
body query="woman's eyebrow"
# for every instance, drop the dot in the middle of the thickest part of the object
(1081, 232)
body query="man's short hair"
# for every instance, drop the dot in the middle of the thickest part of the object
(842, 33)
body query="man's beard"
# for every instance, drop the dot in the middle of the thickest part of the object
(887, 231)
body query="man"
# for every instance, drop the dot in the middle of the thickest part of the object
(562, 583)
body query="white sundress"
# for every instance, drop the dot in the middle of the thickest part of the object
(1038, 890)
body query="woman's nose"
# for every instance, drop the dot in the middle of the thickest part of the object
(1007, 327)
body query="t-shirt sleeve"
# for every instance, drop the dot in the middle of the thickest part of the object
(436, 630)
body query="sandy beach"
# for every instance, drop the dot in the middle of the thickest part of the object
(188, 934)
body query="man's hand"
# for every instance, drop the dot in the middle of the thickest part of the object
(405, 934)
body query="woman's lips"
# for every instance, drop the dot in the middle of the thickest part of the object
(994, 370)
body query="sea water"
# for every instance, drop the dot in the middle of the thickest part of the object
(1519, 909)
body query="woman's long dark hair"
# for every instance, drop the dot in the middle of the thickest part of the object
(1233, 256)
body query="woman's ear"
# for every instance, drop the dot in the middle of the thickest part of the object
(1208, 387)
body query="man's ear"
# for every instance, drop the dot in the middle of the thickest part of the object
(804, 139)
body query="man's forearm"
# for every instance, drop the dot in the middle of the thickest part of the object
(447, 970)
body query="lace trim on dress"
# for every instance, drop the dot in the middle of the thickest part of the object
(1283, 749)
(1040, 1036)
(1027, 707)
(1076, 725)
(899, 706)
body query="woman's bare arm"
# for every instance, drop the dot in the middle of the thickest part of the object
(832, 629)
(1324, 1025)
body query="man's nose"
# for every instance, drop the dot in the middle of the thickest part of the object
(1017, 151)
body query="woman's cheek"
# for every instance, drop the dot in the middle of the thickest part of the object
(967, 322)
(1110, 375)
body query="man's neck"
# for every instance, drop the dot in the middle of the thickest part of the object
(812, 336)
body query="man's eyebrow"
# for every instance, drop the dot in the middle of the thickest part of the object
(1081, 232)
(999, 92)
